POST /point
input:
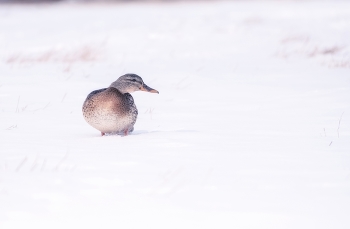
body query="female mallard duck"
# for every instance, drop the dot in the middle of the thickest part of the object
(112, 109)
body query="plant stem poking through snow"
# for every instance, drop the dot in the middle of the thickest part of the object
(64, 97)
(43, 165)
(21, 164)
(12, 127)
(340, 122)
(62, 160)
(150, 111)
(19, 97)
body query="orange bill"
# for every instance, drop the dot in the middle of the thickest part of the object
(148, 89)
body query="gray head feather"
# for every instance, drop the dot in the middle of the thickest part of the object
(128, 83)
(131, 82)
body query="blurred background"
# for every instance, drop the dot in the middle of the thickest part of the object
(250, 130)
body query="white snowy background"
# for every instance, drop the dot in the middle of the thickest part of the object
(251, 128)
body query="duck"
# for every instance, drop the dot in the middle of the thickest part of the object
(112, 110)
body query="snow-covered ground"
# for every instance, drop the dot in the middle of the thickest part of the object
(251, 128)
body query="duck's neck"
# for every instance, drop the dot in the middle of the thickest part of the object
(119, 86)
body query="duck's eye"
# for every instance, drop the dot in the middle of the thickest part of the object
(133, 80)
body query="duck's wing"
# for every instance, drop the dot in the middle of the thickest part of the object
(133, 110)
(129, 100)
(95, 92)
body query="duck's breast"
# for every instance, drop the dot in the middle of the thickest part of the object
(108, 110)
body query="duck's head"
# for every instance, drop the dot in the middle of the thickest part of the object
(131, 82)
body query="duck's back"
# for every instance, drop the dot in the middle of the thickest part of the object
(108, 110)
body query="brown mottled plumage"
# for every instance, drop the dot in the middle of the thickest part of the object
(112, 109)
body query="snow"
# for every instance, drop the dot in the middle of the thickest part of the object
(250, 130)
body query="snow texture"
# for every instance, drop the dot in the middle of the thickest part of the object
(251, 128)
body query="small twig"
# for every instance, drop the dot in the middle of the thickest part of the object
(340, 122)
(330, 143)
(21, 164)
(73, 168)
(46, 105)
(24, 108)
(151, 112)
(12, 127)
(42, 108)
(18, 104)
(64, 97)
(43, 165)
(61, 161)
(34, 164)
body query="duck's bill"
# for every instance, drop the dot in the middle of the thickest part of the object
(148, 89)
